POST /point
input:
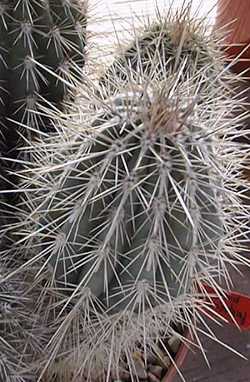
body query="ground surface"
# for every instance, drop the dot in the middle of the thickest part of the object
(225, 366)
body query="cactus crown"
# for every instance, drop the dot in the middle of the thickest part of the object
(129, 213)
(166, 44)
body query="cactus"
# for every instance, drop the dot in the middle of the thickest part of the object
(16, 324)
(38, 38)
(130, 208)
(49, 32)
(184, 43)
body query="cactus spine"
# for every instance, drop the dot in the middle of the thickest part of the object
(130, 212)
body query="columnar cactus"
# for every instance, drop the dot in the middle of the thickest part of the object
(132, 206)
(39, 40)
(51, 32)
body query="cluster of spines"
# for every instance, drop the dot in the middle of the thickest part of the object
(16, 330)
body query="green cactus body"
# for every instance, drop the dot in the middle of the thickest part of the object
(138, 216)
(145, 189)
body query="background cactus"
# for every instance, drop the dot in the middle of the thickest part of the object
(131, 207)
(38, 38)
(184, 43)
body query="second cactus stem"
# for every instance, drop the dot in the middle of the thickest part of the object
(39, 40)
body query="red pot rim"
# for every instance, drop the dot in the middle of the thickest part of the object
(179, 359)
(233, 18)
(240, 52)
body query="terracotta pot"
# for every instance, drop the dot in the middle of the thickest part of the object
(234, 17)
(179, 359)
